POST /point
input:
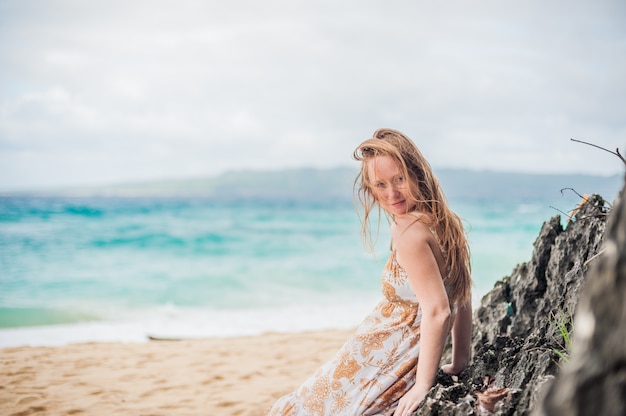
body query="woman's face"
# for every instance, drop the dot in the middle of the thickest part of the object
(389, 186)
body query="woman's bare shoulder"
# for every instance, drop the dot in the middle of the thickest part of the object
(411, 230)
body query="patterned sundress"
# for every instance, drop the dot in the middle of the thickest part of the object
(375, 367)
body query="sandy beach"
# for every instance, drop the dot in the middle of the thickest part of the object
(228, 376)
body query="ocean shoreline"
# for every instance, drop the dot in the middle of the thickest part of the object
(197, 324)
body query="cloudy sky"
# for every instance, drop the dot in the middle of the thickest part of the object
(131, 90)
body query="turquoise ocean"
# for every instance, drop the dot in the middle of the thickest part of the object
(76, 269)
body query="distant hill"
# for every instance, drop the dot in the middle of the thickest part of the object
(310, 183)
(487, 184)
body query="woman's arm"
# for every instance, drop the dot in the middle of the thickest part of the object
(415, 254)
(461, 340)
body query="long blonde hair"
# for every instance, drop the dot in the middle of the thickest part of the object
(424, 190)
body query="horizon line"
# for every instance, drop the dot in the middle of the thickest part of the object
(252, 171)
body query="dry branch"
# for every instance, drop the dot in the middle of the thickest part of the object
(616, 152)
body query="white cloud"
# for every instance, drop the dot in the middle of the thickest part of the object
(129, 90)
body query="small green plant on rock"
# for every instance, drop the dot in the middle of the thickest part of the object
(562, 324)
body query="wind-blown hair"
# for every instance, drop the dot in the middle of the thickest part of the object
(425, 192)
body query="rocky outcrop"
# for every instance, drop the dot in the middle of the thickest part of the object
(593, 381)
(521, 325)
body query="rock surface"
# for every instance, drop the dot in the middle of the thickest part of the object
(518, 337)
(593, 381)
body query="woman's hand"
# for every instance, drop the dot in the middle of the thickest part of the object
(461, 340)
(410, 401)
(452, 369)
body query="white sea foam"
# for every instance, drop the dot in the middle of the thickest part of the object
(174, 323)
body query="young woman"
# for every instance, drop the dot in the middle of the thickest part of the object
(390, 363)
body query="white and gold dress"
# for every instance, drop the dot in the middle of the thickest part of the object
(374, 368)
